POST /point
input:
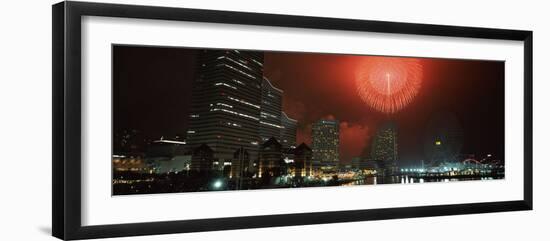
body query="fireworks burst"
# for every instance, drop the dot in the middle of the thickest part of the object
(388, 84)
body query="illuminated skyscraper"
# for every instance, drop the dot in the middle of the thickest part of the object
(326, 140)
(225, 104)
(384, 144)
(270, 112)
(288, 132)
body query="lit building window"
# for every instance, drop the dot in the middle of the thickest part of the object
(227, 85)
(257, 62)
(235, 69)
(223, 104)
(234, 124)
(235, 113)
(244, 102)
(236, 62)
(269, 124)
(238, 82)
(265, 115)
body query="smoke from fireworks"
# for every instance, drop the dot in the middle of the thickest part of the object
(388, 84)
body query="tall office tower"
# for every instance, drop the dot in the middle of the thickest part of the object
(288, 132)
(326, 140)
(270, 111)
(384, 145)
(225, 104)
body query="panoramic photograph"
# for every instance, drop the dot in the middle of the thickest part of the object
(195, 120)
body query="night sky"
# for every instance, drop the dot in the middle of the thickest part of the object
(152, 86)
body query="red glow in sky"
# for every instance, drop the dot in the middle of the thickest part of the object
(324, 88)
(363, 92)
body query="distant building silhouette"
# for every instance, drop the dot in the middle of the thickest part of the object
(443, 139)
(202, 159)
(271, 161)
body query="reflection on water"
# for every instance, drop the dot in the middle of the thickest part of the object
(409, 179)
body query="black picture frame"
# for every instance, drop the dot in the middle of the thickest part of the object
(66, 75)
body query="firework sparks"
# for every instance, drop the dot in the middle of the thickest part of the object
(388, 84)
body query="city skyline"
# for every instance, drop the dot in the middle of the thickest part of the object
(358, 123)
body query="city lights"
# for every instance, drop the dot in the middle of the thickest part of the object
(218, 184)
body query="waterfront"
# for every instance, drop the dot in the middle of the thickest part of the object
(405, 179)
(132, 183)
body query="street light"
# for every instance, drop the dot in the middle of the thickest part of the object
(218, 184)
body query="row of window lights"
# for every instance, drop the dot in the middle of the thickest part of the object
(257, 62)
(222, 104)
(235, 113)
(238, 82)
(235, 69)
(253, 60)
(227, 85)
(252, 142)
(265, 115)
(233, 124)
(269, 124)
(236, 62)
(244, 102)
(225, 163)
